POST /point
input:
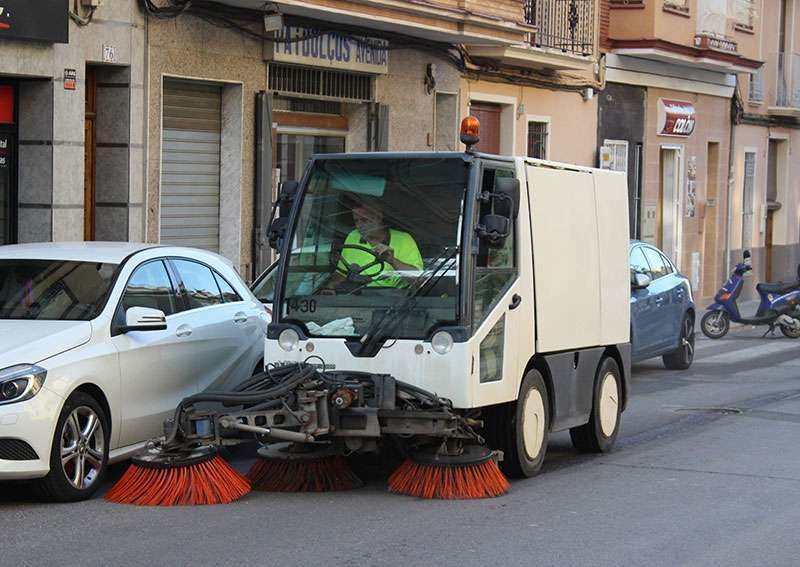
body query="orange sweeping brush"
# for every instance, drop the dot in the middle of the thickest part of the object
(472, 474)
(298, 468)
(163, 479)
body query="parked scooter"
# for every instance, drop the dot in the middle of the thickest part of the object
(779, 307)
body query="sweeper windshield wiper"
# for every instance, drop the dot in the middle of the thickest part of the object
(392, 317)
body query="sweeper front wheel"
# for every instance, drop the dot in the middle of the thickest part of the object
(521, 429)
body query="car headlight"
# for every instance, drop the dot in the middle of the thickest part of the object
(20, 383)
(288, 340)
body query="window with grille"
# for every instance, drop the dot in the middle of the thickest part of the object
(537, 139)
(747, 199)
(320, 83)
(619, 154)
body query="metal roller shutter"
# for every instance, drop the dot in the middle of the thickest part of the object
(190, 164)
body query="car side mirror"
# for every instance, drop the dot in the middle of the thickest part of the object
(494, 229)
(506, 197)
(640, 281)
(144, 319)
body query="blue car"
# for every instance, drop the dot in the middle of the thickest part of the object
(662, 309)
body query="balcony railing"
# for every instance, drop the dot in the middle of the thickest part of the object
(566, 25)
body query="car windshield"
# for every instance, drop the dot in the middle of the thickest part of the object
(369, 231)
(53, 289)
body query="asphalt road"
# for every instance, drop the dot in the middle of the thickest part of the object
(706, 472)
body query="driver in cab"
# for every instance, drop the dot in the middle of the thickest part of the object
(372, 249)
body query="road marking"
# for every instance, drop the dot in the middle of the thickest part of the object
(751, 353)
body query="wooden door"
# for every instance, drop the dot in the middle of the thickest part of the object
(89, 155)
(489, 117)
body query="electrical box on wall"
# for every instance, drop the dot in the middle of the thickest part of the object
(92, 3)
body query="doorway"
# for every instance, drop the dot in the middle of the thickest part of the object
(776, 160)
(90, 140)
(489, 116)
(670, 202)
(8, 164)
(710, 260)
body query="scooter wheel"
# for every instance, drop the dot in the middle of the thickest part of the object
(790, 332)
(715, 324)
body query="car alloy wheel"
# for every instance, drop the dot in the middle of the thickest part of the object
(82, 447)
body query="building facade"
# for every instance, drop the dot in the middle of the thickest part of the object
(765, 203)
(72, 96)
(665, 119)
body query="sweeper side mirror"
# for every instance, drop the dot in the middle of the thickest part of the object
(494, 229)
(506, 197)
(283, 206)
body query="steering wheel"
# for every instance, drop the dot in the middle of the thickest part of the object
(355, 273)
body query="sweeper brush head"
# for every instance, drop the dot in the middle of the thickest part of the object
(283, 470)
(197, 478)
(470, 475)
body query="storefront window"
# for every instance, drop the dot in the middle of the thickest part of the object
(295, 149)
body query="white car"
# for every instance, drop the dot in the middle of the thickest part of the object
(99, 342)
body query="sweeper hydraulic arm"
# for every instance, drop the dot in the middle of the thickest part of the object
(348, 408)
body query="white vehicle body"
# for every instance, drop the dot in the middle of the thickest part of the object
(567, 306)
(137, 376)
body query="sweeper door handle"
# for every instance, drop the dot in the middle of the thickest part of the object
(515, 301)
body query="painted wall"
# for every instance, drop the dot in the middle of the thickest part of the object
(573, 120)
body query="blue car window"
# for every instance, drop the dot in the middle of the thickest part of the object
(657, 267)
(638, 263)
(669, 269)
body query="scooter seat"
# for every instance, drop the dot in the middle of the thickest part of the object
(779, 287)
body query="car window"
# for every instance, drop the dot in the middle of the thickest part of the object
(668, 268)
(264, 288)
(656, 262)
(150, 286)
(638, 264)
(229, 294)
(199, 283)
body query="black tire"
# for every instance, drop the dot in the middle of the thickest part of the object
(505, 428)
(682, 357)
(790, 333)
(715, 324)
(591, 437)
(56, 486)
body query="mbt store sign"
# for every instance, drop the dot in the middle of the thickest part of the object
(35, 20)
(308, 46)
(675, 118)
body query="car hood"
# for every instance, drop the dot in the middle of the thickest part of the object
(30, 342)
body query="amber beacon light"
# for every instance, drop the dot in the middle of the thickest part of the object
(470, 131)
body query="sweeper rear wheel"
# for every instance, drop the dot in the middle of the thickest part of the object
(600, 434)
(521, 429)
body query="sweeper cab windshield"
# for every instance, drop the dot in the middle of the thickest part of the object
(369, 235)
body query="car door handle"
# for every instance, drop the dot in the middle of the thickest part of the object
(515, 301)
(184, 331)
(659, 300)
(240, 318)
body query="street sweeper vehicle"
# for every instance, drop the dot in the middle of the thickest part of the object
(451, 309)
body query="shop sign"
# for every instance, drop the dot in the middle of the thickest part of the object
(70, 79)
(675, 118)
(309, 46)
(43, 20)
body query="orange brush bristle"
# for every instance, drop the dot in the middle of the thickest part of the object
(327, 474)
(450, 479)
(208, 480)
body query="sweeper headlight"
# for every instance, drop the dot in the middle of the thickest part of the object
(288, 340)
(442, 342)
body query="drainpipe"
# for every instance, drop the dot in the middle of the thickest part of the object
(735, 108)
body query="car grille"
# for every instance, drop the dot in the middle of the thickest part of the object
(16, 450)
